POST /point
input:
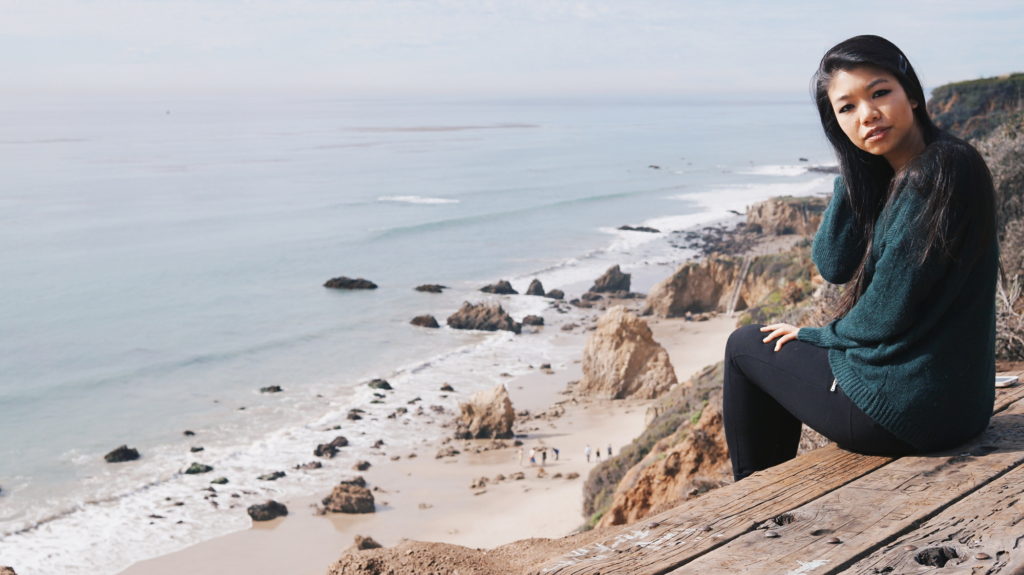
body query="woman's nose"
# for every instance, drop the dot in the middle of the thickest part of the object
(868, 113)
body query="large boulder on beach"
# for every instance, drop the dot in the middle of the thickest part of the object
(501, 287)
(350, 497)
(343, 282)
(267, 511)
(621, 359)
(787, 215)
(122, 454)
(555, 294)
(487, 317)
(488, 415)
(431, 288)
(613, 280)
(536, 288)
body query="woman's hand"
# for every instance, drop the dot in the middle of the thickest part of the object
(783, 332)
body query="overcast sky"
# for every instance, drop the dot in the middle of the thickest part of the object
(479, 48)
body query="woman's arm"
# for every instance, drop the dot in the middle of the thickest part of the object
(839, 243)
(894, 300)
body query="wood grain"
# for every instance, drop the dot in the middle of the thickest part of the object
(873, 510)
(658, 544)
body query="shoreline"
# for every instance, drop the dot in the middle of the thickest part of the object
(429, 499)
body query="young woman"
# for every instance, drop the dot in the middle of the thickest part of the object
(908, 366)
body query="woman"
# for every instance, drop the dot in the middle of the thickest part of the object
(908, 366)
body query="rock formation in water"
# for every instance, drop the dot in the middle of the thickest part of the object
(483, 316)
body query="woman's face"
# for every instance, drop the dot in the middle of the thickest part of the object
(875, 113)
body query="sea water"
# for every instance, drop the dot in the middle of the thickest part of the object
(161, 261)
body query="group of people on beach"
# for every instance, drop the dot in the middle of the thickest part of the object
(539, 454)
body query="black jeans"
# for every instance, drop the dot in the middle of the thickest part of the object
(768, 394)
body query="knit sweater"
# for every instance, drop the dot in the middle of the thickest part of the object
(916, 352)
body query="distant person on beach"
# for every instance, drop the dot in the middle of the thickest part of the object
(533, 456)
(543, 457)
(519, 452)
(907, 366)
(586, 452)
(609, 450)
(555, 449)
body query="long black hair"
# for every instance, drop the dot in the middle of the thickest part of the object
(950, 173)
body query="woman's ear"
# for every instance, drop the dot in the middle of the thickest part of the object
(913, 104)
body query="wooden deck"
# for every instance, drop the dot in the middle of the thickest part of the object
(832, 511)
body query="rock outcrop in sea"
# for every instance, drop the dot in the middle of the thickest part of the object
(121, 454)
(501, 287)
(611, 281)
(425, 321)
(483, 316)
(488, 415)
(343, 282)
(785, 216)
(621, 359)
(536, 288)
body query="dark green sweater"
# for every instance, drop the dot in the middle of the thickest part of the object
(916, 352)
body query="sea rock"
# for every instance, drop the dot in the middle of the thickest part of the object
(425, 321)
(380, 384)
(536, 288)
(555, 294)
(355, 414)
(621, 359)
(188, 433)
(349, 498)
(486, 317)
(447, 387)
(431, 288)
(196, 449)
(197, 468)
(267, 511)
(272, 476)
(329, 450)
(613, 280)
(121, 454)
(220, 481)
(501, 287)
(361, 465)
(786, 216)
(533, 320)
(271, 389)
(488, 415)
(647, 229)
(343, 282)
(308, 466)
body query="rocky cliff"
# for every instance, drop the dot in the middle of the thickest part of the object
(975, 108)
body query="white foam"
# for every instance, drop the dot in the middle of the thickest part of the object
(776, 170)
(417, 200)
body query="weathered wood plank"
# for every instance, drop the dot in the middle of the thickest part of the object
(989, 521)
(873, 510)
(660, 543)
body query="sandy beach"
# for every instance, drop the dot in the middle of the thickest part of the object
(429, 499)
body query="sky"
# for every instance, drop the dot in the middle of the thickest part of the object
(515, 48)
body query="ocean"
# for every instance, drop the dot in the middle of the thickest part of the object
(164, 260)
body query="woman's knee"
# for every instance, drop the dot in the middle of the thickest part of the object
(743, 338)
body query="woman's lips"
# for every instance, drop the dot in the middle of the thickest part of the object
(876, 135)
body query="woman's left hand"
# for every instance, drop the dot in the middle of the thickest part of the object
(783, 332)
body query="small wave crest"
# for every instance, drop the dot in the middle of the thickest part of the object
(416, 200)
(774, 170)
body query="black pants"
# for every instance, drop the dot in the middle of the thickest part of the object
(768, 394)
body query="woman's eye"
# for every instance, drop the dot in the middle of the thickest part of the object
(881, 93)
(845, 108)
